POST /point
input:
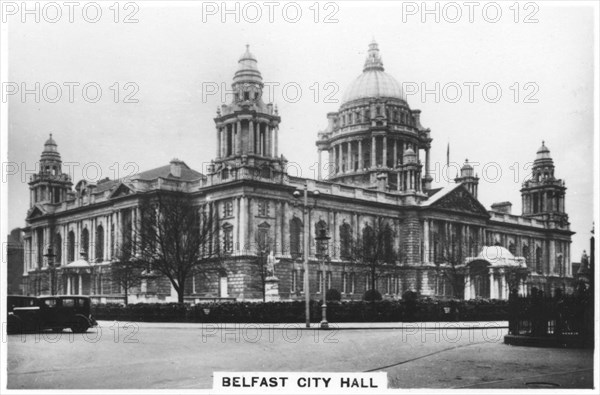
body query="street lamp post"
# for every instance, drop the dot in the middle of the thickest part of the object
(50, 256)
(305, 222)
(322, 247)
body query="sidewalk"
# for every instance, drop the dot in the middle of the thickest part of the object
(464, 325)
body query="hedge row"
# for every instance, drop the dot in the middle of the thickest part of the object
(292, 312)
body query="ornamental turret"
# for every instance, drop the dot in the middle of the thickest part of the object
(543, 194)
(247, 129)
(468, 178)
(50, 184)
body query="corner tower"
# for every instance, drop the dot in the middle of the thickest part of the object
(368, 137)
(468, 178)
(543, 194)
(50, 184)
(247, 129)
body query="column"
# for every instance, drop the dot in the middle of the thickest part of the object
(80, 292)
(271, 139)
(276, 142)
(493, 286)
(219, 142)
(349, 156)
(384, 155)
(319, 154)
(69, 287)
(395, 142)
(373, 151)
(238, 138)
(251, 136)
(503, 291)
(426, 254)
(339, 158)
(285, 226)
(427, 162)
(467, 286)
(243, 224)
(361, 163)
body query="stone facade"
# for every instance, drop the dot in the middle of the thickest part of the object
(375, 180)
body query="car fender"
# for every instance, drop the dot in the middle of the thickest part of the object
(90, 322)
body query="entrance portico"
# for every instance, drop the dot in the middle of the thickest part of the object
(488, 274)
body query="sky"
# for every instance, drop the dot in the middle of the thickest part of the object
(506, 80)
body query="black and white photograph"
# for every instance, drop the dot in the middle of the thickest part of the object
(299, 197)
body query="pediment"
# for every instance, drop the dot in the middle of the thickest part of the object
(460, 199)
(121, 190)
(35, 211)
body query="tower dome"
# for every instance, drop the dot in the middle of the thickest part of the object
(466, 170)
(543, 153)
(50, 152)
(247, 71)
(374, 82)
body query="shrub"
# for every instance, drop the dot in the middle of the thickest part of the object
(372, 295)
(409, 296)
(333, 295)
(405, 310)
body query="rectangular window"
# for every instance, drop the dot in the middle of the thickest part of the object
(301, 281)
(68, 302)
(328, 278)
(344, 282)
(228, 209)
(263, 208)
(352, 283)
(228, 239)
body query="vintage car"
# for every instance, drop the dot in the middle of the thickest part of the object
(27, 314)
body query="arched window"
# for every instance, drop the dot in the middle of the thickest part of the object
(369, 242)
(320, 225)
(71, 246)
(57, 249)
(559, 265)
(538, 260)
(99, 243)
(388, 244)
(345, 241)
(85, 242)
(525, 253)
(295, 237)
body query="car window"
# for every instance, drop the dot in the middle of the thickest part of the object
(50, 302)
(68, 302)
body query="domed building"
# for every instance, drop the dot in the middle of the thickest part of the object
(387, 227)
(368, 139)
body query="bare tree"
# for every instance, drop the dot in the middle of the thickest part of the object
(175, 238)
(263, 250)
(449, 261)
(125, 270)
(374, 250)
(515, 275)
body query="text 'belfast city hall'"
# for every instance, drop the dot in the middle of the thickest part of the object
(384, 225)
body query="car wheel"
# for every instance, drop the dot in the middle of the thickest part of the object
(14, 325)
(81, 326)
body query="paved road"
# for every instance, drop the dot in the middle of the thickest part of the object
(153, 355)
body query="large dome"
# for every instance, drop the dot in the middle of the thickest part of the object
(374, 82)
